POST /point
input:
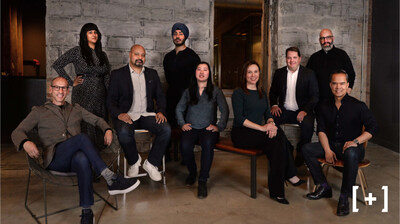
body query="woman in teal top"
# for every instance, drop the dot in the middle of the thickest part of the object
(251, 108)
(196, 113)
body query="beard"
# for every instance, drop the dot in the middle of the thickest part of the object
(327, 48)
(178, 44)
(139, 63)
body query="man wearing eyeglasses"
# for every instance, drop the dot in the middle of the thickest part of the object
(329, 59)
(65, 148)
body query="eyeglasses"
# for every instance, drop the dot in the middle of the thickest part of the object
(326, 38)
(57, 88)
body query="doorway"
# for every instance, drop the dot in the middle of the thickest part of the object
(237, 39)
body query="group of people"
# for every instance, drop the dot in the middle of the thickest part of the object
(73, 134)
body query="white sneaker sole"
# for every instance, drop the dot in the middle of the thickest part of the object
(153, 177)
(131, 188)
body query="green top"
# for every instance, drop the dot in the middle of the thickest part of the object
(250, 107)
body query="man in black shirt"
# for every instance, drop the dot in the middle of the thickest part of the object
(179, 67)
(340, 121)
(327, 60)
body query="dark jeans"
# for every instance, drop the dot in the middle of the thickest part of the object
(207, 140)
(79, 155)
(307, 126)
(126, 137)
(351, 157)
(274, 148)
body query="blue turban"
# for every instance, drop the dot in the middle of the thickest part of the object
(182, 27)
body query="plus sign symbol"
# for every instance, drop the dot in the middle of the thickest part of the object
(370, 199)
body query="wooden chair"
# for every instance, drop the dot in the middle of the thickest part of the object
(339, 163)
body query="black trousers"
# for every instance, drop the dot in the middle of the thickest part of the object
(307, 126)
(274, 148)
(351, 157)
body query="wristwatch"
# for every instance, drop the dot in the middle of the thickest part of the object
(356, 141)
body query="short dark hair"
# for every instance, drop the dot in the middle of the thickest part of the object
(339, 71)
(295, 49)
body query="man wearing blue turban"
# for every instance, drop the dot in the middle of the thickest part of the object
(179, 66)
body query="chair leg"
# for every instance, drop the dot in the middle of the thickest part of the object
(107, 202)
(125, 168)
(163, 171)
(26, 198)
(253, 174)
(362, 184)
(45, 200)
(364, 178)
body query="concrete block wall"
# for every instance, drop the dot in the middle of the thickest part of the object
(300, 21)
(127, 22)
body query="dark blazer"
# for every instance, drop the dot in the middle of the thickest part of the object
(120, 92)
(307, 92)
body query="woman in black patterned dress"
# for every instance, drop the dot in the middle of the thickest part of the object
(90, 84)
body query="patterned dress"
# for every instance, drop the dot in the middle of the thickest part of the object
(91, 94)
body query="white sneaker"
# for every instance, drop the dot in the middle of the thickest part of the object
(152, 171)
(133, 170)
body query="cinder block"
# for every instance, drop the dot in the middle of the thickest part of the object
(58, 24)
(286, 8)
(161, 14)
(115, 11)
(153, 58)
(116, 28)
(199, 30)
(201, 45)
(147, 43)
(157, 28)
(290, 37)
(304, 8)
(127, 2)
(63, 8)
(164, 4)
(192, 16)
(323, 9)
(60, 38)
(336, 10)
(197, 5)
(164, 44)
(115, 56)
(137, 12)
(120, 42)
(89, 9)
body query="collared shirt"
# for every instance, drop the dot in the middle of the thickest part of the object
(346, 123)
(139, 103)
(290, 99)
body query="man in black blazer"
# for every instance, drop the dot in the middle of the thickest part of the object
(130, 100)
(293, 96)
